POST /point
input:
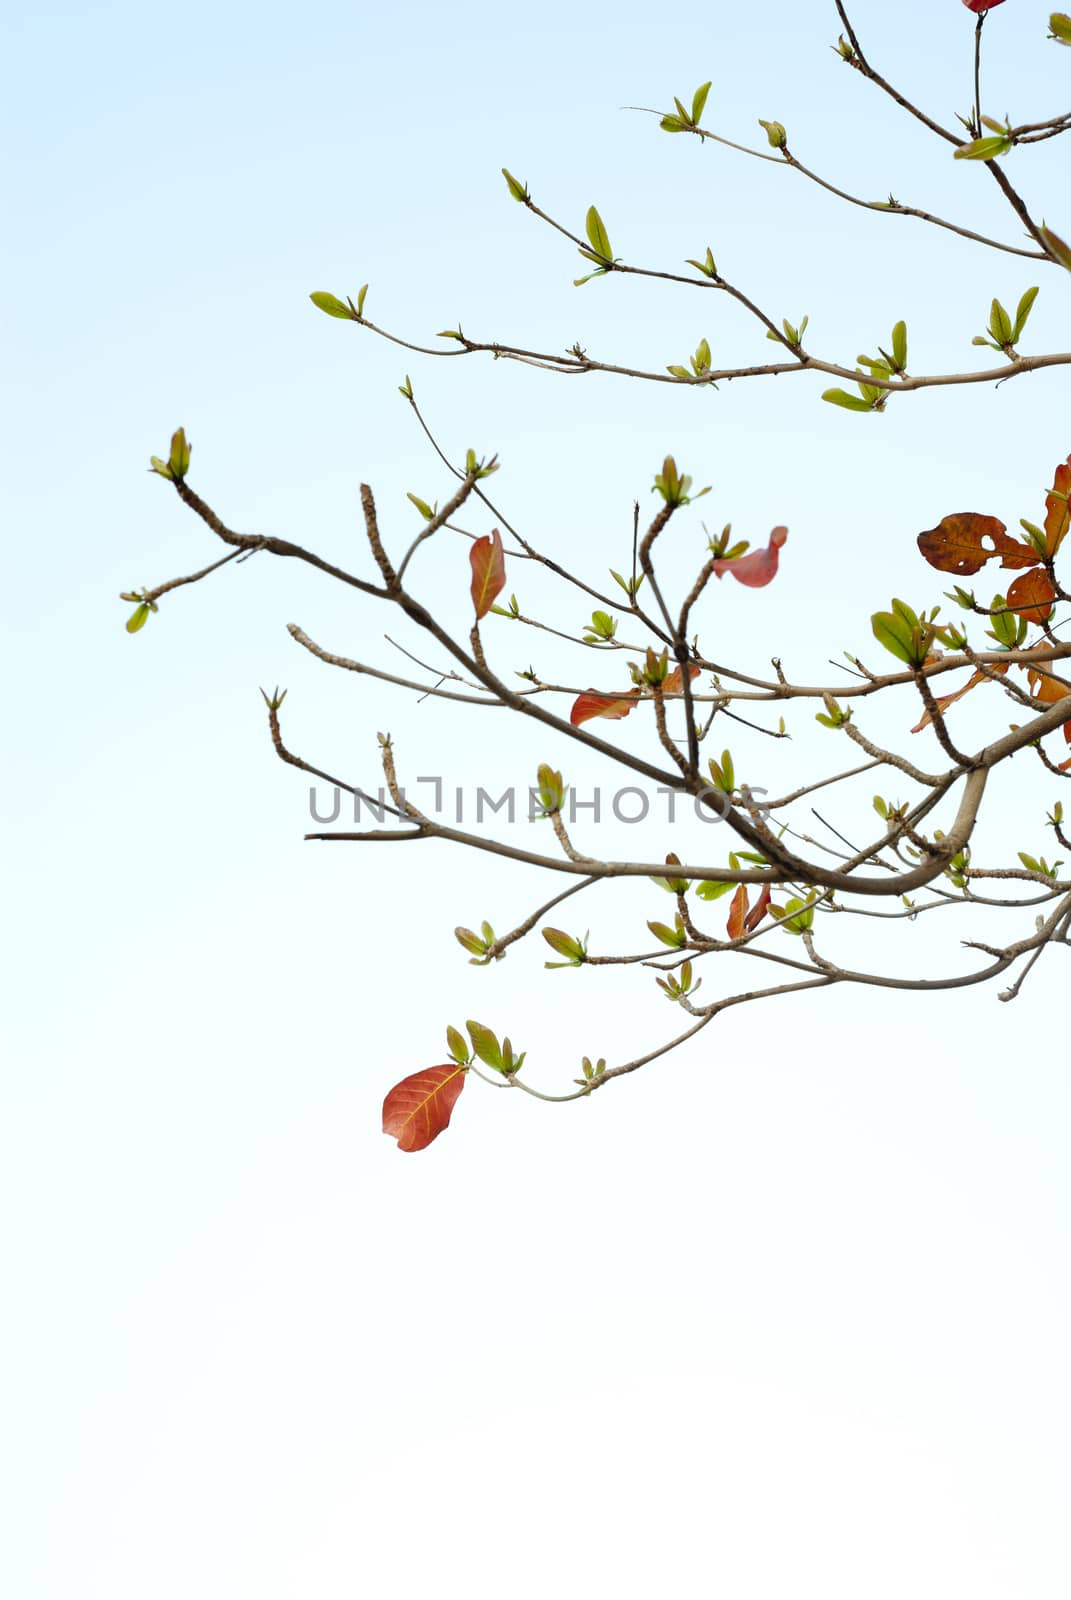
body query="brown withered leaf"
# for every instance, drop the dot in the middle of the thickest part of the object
(963, 542)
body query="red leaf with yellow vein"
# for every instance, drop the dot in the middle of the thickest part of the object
(1031, 596)
(943, 701)
(418, 1109)
(488, 572)
(756, 569)
(737, 923)
(1057, 514)
(589, 705)
(965, 541)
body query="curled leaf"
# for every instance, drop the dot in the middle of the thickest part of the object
(758, 568)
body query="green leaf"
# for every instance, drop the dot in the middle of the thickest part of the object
(895, 634)
(1000, 324)
(709, 889)
(795, 916)
(699, 100)
(422, 506)
(597, 236)
(775, 132)
(179, 460)
(161, 467)
(986, 149)
(519, 191)
(486, 1045)
(899, 345)
(850, 402)
(458, 1048)
(406, 388)
(1022, 311)
(361, 292)
(707, 267)
(672, 124)
(1060, 27)
(330, 303)
(138, 618)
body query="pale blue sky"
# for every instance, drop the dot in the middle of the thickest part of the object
(787, 1313)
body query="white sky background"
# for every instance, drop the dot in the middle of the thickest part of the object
(786, 1313)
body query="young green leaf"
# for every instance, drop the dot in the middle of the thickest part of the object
(985, 149)
(597, 237)
(519, 191)
(1022, 311)
(849, 402)
(486, 1045)
(899, 345)
(330, 303)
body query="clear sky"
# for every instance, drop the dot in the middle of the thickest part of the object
(787, 1313)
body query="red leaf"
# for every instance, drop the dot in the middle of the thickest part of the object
(958, 544)
(758, 910)
(589, 705)
(736, 924)
(757, 569)
(1057, 513)
(418, 1109)
(488, 572)
(982, 5)
(1031, 595)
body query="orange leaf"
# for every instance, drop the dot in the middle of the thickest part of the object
(488, 572)
(418, 1109)
(945, 700)
(1057, 513)
(958, 544)
(737, 923)
(673, 682)
(1045, 687)
(1031, 595)
(758, 910)
(614, 707)
(756, 569)
(589, 705)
